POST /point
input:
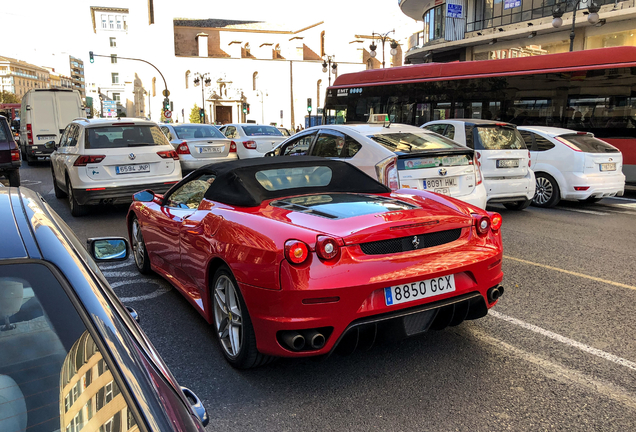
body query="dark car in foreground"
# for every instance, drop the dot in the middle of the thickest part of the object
(9, 154)
(71, 355)
(299, 256)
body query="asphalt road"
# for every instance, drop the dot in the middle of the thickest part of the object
(556, 353)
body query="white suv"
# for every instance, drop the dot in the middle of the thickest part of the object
(105, 161)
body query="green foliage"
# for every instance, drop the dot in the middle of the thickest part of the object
(8, 97)
(194, 114)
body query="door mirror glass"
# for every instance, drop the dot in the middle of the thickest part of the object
(50, 144)
(144, 196)
(108, 249)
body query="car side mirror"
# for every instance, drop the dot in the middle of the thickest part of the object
(50, 144)
(270, 154)
(196, 405)
(144, 196)
(108, 248)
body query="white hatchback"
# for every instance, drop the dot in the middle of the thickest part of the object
(502, 154)
(253, 140)
(572, 165)
(397, 155)
(106, 161)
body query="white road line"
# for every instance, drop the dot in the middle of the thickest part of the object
(164, 287)
(119, 274)
(585, 348)
(584, 211)
(561, 373)
(114, 266)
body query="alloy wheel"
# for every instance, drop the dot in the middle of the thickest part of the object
(544, 191)
(138, 246)
(228, 316)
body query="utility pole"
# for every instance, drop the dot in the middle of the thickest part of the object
(291, 93)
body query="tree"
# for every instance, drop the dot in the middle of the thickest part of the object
(8, 97)
(194, 114)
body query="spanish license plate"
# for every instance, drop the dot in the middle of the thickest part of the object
(131, 169)
(507, 163)
(608, 166)
(46, 137)
(440, 183)
(210, 149)
(418, 290)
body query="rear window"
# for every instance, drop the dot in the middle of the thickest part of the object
(261, 130)
(499, 138)
(409, 142)
(202, 131)
(589, 144)
(124, 136)
(294, 178)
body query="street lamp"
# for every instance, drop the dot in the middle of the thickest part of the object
(260, 93)
(383, 37)
(559, 10)
(328, 65)
(205, 81)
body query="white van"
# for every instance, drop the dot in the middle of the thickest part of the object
(502, 154)
(44, 115)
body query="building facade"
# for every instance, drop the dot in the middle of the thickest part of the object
(461, 30)
(77, 75)
(18, 77)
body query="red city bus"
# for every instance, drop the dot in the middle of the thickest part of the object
(10, 110)
(592, 90)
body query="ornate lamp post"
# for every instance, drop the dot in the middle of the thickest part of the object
(205, 81)
(330, 66)
(561, 8)
(383, 37)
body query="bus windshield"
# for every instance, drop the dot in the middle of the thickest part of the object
(408, 142)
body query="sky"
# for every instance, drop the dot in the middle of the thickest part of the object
(39, 28)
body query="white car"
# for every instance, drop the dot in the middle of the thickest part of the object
(253, 140)
(397, 155)
(502, 154)
(106, 161)
(572, 165)
(198, 144)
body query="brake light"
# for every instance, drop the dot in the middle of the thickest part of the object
(567, 143)
(296, 251)
(168, 154)
(232, 147)
(249, 145)
(327, 248)
(482, 224)
(387, 172)
(478, 178)
(581, 188)
(29, 134)
(86, 159)
(529, 160)
(183, 148)
(495, 221)
(15, 155)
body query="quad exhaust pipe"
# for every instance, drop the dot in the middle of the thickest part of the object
(315, 339)
(294, 340)
(494, 293)
(307, 339)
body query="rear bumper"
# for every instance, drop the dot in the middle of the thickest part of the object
(10, 166)
(510, 189)
(599, 185)
(116, 195)
(37, 150)
(477, 197)
(190, 163)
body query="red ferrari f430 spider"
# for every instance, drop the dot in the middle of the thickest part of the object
(301, 256)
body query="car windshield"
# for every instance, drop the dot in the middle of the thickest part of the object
(410, 142)
(124, 136)
(257, 130)
(294, 178)
(589, 144)
(197, 131)
(499, 138)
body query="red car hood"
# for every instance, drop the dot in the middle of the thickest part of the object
(418, 215)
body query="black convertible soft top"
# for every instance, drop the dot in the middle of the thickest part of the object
(236, 183)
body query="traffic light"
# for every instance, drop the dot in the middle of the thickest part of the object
(90, 54)
(201, 112)
(309, 108)
(248, 108)
(166, 104)
(244, 108)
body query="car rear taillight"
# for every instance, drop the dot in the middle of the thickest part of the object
(387, 173)
(296, 251)
(327, 247)
(567, 143)
(29, 134)
(183, 148)
(478, 177)
(249, 145)
(482, 224)
(581, 188)
(86, 159)
(168, 154)
(529, 160)
(15, 155)
(232, 147)
(495, 221)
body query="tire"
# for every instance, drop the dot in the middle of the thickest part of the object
(31, 160)
(232, 323)
(518, 205)
(140, 253)
(23, 154)
(59, 193)
(14, 178)
(547, 194)
(591, 200)
(76, 208)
